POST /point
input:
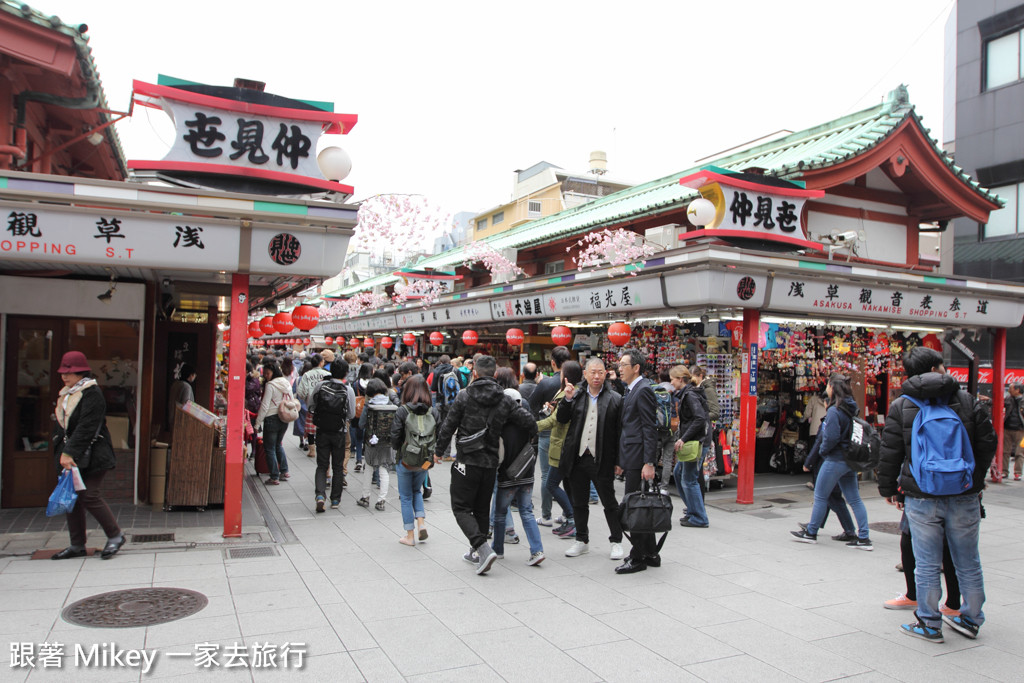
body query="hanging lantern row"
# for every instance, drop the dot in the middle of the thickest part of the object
(283, 322)
(470, 338)
(561, 335)
(409, 339)
(354, 343)
(305, 317)
(387, 342)
(514, 337)
(436, 338)
(328, 340)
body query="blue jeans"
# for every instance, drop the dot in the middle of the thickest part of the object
(356, 439)
(555, 490)
(686, 475)
(494, 504)
(273, 444)
(958, 518)
(523, 496)
(543, 445)
(835, 471)
(410, 491)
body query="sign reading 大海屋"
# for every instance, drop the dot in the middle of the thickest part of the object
(625, 294)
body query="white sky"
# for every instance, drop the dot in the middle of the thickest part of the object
(454, 96)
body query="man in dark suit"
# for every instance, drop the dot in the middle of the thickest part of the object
(590, 453)
(638, 450)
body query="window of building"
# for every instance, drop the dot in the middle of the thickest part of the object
(497, 218)
(1004, 60)
(533, 209)
(1008, 220)
(481, 224)
(554, 267)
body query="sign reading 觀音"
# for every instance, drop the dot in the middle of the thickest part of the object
(218, 135)
(894, 303)
(625, 294)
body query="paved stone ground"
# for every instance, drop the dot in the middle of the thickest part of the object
(736, 602)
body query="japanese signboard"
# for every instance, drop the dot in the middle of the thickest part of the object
(752, 387)
(716, 287)
(276, 250)
(761, 211)
(443, 315)
(359, 324)
(893, 303)
(624, 294)
(36, 232)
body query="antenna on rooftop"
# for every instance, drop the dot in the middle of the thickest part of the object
(598, 162)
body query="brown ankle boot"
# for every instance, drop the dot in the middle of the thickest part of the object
(312, 450)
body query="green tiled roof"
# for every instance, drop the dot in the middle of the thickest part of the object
(89, 70)
(819, 147)
(1006, 251)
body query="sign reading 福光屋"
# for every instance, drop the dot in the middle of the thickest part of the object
(626, 294)
(895, 303)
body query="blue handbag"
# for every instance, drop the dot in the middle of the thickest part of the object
(64, 496)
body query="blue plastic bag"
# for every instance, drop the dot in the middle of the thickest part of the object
(63, 498)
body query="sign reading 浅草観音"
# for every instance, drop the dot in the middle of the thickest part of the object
(619, 296)
(893, 303)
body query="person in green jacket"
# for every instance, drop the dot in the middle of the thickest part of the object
(572, 372)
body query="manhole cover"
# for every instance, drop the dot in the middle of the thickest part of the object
(766, 514)
(152, 538)
(134, 607)
(885, 527)
(245, 553)
(781, 501)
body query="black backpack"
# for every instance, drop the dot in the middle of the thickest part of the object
(864, 448)
(331, 412)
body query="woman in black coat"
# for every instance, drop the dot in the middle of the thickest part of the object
(82, 441)
(693, 421)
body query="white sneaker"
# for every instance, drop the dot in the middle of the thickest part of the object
(577, 548)
(544, 521)
(559, 520)
(617, 552)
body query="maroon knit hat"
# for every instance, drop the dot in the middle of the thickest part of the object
(74, 361)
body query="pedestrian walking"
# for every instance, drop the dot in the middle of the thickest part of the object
(937, 445)
(693, 422)
(276, 388)
(333, 406)
(375, 425)
(1013, 430)
(413, 436)
(479, 413)
(571, 373)
(539, 396)
(310, 379)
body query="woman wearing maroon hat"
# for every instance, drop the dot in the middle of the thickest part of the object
(82, 440)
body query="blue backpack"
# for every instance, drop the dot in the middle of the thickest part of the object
(448, 389)
(941, 456)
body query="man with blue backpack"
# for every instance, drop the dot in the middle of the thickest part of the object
(937, 446)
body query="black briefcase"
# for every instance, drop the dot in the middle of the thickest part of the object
(647, 511)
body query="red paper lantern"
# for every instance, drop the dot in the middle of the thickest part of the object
(254, 330)
(226, 334)
(283, 322)
(409, 339)
(368, 342)
(436, 338)
(305, 317)
(619, 333)
(470, 338)
(267, 324)
(387, 342)
(340, 341)
(354, 343)
(328, 340)
(514, 336)
(561, 335)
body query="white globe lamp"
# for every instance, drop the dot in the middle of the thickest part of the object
(334, 163)
(701, 212)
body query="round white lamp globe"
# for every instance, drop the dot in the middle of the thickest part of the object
(701, 212)
(334, 163)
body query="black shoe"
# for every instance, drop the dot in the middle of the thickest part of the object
(845, 536)
(69, 552)
(805, 537)
(620, 477)
(653, 560)
(427, 491)
(630, 566)
(113, 545)
(685, 521)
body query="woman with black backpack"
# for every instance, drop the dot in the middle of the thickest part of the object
(413, 435)
(834, 440)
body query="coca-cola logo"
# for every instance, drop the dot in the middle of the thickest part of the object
(985, 375)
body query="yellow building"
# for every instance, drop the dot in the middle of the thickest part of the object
(542, 190)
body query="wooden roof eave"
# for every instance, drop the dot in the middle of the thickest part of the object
(909, 149)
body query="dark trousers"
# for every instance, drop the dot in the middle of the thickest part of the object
(330, 453)
(948, 570)
(584, 471)
(471, 489)
(91, 500)
(644, 545)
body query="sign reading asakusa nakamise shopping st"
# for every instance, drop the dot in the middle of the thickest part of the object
(894, 303)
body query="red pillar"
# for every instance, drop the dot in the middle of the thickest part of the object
(234, 471)
(748, 407)
(998, 381)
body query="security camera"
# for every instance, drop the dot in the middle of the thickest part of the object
(848, 236)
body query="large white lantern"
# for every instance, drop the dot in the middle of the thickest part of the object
(334, 163)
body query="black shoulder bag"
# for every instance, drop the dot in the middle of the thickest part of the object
(647, 511)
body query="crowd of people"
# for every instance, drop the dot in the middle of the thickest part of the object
(588, 425)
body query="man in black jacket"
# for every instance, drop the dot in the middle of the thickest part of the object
(1013, 429)
(479, 413)
(542, 393)
(638, 450)
(932, 517)
(590, 453)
